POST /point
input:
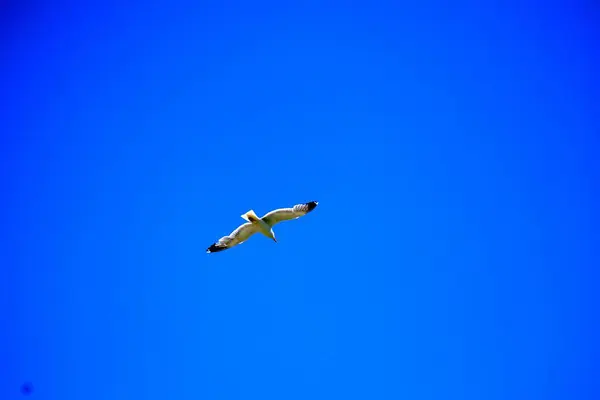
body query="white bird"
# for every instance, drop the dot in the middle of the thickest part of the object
(262, 225)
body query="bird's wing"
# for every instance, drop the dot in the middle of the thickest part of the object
(285, 214)
(238, 236)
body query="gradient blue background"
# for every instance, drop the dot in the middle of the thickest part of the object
(453, 148)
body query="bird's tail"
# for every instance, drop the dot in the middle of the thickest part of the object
(250, 216)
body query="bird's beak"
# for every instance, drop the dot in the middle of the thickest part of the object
(275, 240)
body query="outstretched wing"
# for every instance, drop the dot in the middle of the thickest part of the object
(285, 214)
(238, 236)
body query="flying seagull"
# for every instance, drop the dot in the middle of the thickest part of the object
(262, 225)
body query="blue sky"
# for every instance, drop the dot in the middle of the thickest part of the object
(452, 149)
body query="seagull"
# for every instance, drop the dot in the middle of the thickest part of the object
(262, 225)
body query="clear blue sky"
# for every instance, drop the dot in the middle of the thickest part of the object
(453, 150)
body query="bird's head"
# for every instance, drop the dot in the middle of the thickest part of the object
(273, 236)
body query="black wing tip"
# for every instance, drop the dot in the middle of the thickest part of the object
(312, 205)
(215, 248)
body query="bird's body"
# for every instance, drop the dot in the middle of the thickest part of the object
(262, 225)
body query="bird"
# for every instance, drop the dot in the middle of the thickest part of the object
(262, 225)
